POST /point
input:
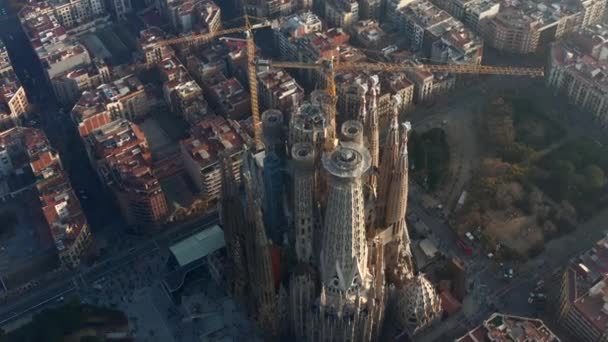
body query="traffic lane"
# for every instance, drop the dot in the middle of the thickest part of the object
(22, 305)
(440, 230)
(33, 301)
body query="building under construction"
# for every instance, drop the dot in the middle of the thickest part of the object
(319, 232)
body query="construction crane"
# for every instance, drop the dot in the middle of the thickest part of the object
(330, 67)
(201, 39)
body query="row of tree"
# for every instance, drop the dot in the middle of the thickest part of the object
(429, 156)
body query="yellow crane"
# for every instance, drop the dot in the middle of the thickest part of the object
(201, 39)
(330, 68)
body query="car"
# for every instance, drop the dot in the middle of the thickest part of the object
(468, 250)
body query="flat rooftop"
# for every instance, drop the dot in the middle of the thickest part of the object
(508, 328)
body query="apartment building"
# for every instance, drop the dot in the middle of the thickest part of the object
(192, 15)
(72, 13)
(187, 101)
(181, 92)
(90, 113)
(13, 100)
(350, 93)
(149, 47)
(211, 138)
(123, 161)
(229, 98)
(291, 28)
(513, 31)
(341, 13)
(125, 97)
(119, 8)
(583, 307)
(22, 148)
(278, 90)
(69, 85)
(577, 69)
(393, 9)
(421, 22)
(6, 67)
(273, 8)
(501, 327)
(592, 12)
(458, 46)
(67, 63)
(370, 9)
(473, 13)
(428, 86)
(369, 34)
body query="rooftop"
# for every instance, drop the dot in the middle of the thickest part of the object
(321, 45)
(369, 31)
(298, 25)
(480, 6)
(60, 205)
(116, 137)
(120, 88)
(123, 148)
(42, 27)
(9, 85)
(589, 292)
(212, 136)
(460, 45)
(507, 328)
(546, 12)
(198, 245)
(425, 14)
(229, 93)
(151, 36)
(581, 55)
(89, 104)
(279, 83)
(5, 61)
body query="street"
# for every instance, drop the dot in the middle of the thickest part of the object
(86, 277)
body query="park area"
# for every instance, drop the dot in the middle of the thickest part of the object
(535, 180)
(429, 157)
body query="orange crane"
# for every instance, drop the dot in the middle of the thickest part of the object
(200, 39)
(330, 68)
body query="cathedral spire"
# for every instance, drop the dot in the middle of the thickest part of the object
(344, 264)
(389, 158)
(261, 278)
(396, 203)
(372, 131)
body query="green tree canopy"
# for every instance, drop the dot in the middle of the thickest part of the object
(594, 177)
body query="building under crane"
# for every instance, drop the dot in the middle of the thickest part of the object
(348, 229)
(329, 68)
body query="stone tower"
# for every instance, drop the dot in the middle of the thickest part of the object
(303, 167)
(261, 279)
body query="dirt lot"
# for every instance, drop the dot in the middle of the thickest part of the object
(518, 233)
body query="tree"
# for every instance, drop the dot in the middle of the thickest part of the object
(567, 210)
(594, 177)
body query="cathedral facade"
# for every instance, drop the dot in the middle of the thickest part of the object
(315, 229)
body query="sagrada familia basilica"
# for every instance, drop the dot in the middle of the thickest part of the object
(315, 227)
